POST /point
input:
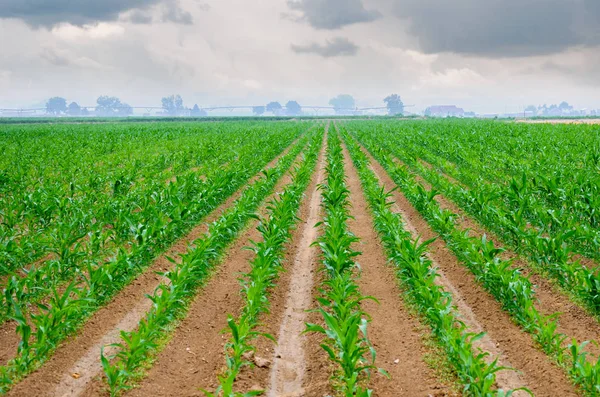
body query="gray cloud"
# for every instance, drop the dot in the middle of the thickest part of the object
(140, 17)
(332, 14)
(501, 27)
(174, 13)
(332, 48)
(54, 58)
(48, 13)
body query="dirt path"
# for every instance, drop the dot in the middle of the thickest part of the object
(287, 375)
(77, 361)
(394, 332)
(259, 377)
(480, 311)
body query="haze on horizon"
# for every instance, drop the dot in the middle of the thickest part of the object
(485, 56)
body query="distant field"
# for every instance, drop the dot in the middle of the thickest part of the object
(346, 257)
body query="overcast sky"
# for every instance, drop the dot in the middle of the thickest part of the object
(483, 55)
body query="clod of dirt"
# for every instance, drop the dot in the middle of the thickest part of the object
(262, 362)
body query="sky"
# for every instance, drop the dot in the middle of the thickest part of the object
(487, 56)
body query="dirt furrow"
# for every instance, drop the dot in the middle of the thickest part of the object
(480, 311)
(289, 369)
(573, 320)
(194, 356)
(394, 331)
(77, 361)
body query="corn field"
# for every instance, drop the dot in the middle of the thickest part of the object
(344, 257)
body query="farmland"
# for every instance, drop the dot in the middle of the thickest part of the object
(300, 258)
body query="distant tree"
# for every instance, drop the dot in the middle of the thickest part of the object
(258, 110)
(173, 105)
(85, 112)
(74, 109)
(273, 107)
(197, 112)
(56, 105)
(394, 104)
(565, 106)
(109, 106)
(343, 104)
(531, 108)
(125, 110)
(293, 108)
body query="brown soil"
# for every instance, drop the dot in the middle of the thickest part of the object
(286, 376)
(536, 370)
(573, 320)
(194, 356)
(394, 332)
(9, 341)
(77, 361)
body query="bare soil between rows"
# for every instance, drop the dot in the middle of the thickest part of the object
(535, 369)
(393, 330)
(76, 363)
(573, 320)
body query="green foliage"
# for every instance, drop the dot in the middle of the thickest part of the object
(345, 323)
(102, 233)
(416, 273)
(513, 290)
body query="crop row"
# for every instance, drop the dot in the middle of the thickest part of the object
(417, 275)
(550, 194)
(508, 286)
(68, 184)
(344, 321)
(275, 229)
(96, 282)
(171, 298)
(152, 209)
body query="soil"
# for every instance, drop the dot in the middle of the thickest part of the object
(393, 330)
(573, 320)
(72, 368)
(534, 368)
(289, 370)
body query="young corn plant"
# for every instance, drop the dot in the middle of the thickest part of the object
(417, 275)
(345, 323)
(171, 299)
(513, 290)
(98, 281)
(275, 229)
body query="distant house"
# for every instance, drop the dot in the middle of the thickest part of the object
(444, 111)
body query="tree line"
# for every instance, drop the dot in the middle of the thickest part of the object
(110, 106)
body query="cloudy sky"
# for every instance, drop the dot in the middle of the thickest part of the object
(484, 55)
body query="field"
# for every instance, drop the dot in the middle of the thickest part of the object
(300, 258)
